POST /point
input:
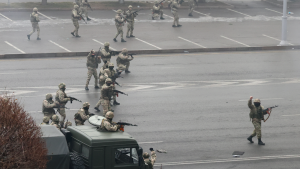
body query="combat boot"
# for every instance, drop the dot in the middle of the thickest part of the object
(77, 36)
(88, 19)
(132, 36)
(116, 103)
(190, 14)
(115, 40)
(162, 18)
(86, 88)
(96, 108)
(28, 36)
(127, 71)
(179, 25)
(97, 87)
(250, 139)
(260, 142)
(72, 33)
(127, 36)
(122, 40)
(173, 26)
(38, 38)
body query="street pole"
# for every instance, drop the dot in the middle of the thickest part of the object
(284, 22)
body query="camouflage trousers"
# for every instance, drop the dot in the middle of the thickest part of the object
(49, 115)
(76, 24)
(78, 122)
(91, 72)
(84, 11)
(35, 26)
(159, 13)
(124, 66)
(257, 128)
(105, 106)
(130, 27)
(62, 112)
(192, 7)
(176, 18)
(119, 31)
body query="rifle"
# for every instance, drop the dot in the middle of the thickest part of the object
(266, 110)
(271, 107)
(117, 83)
(131, 54)
(98, 52)
(122, 124)
(118, 91)
(73, 98)
(136, 12)
(88, 4)
(82, 17)
(114, 53)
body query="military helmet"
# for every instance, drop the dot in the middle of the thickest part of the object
(109, 115)
(76, 6)
(86, 104)
(92, 51)
(256, 101)
(146, 155)
(62, 85)
(129, 6)
(108, 80)
(35, 9)
(55, 118)
(106, 44)
(46, 119)
(124, 50)
(49, 96)
(119, 11)
(111, 65)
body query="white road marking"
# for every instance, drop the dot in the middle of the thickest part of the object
(45, 16)
(59, 46)
(275, 39)
(103, 44)
(139, 87)
(14, 47)
(238, 12)
(227, 4)
(292, 115)
(228, 160)
(17, 92)
(148, 43)
(169, 16)
(264, 99)
(153, 142)
(201, 13)
(191, 42)
(274, 11)
(235, 41)
(5, 17)
(11, 73)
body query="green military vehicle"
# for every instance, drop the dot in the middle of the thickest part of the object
(89, 148)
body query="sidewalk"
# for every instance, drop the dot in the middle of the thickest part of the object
(291, 3)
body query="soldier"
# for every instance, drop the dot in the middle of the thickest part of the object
(78, 2)
(192, 6)
(92, 65)
(48, 106)
(55, 121)
(61, 98)
(83, 114)
(105, 53)
(75, 17)
(107, 124)
(106, 94)
(111, 73)
(130, 21)
(84, 9)
(174, 8)
(149, 162)
(45, 120)
(34, 19)
(119, 21)
(102, 75)
(157, 10)
(257, 113)
(123, 61)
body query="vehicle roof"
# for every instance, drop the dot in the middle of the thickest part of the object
(91, 136)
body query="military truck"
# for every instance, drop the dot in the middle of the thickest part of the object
(92, 149)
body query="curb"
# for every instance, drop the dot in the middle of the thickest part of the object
(164, 51)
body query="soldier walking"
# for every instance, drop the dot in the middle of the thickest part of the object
(83, 114)
(111, 73)
(130, 22)
(174, 9)
(191, 6)
(84, 9)
(34, 19)
(119, 21)
(106, 94)
(123, 61)
(48, 106)
(157, 10)
(92, 65)
(62, 99)
(75, 17)
(105, 53)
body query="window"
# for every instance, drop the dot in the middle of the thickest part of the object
(126, 156)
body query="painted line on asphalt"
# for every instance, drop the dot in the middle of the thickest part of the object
(14, 47)
(60, 46)
(235, 41)
(201, 13)
(264, 99)
(227, 3)
(103, 44)
(168, 16)
(45, 16)
(152, 142)
(276, 39)
(238, 12)
(191, 42)
(228, 160)
(5, 17)
(273, 11)
(148, 43)
(292, 115)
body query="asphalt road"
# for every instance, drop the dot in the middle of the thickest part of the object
(252, 24)
(192, 105)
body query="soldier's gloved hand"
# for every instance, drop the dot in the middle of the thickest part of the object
(251, 97)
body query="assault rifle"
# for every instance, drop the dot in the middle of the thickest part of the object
(73, 98)
(98, 51)
(117, 83)
(271, 108)
(267, 110)
(81, 17)
(118, 91)
(135, 12)
(131, 54)
(114, 53)
(122, 124)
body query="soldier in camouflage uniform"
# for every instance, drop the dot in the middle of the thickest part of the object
(123, 61)
(92, 65)
(192, 6)
(111, 73)
(157, 10)
(34, 19)
(82, 115)
(107, 124)
(55, 121)
(119, 21)
(149, 163)
(102, 75)
(105, 53)
(75, 17)
(48, 106)
(174, 9)
(130, 21)
(84, 9)
(61, 98)
(45, 120)
(257, 113)
(106, 94)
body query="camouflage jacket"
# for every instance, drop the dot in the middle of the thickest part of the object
(48, 107)
(107, 125)
(256, 113)
(34, 17)
(75, 14)
(110, 73)
(130, 16)
(92, 61)
(105, 55)
(61, 97)
(174, 6)
(82, 115)
(106, 92)
(156, 8)
(123, 59)
(119, 21)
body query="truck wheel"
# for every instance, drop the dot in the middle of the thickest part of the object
(76, 161)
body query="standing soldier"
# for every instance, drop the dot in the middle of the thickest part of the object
(192, 6)
(34, 19)
(123, 61)
(75, 17)
(48, 106)
(102, 74)
(157, 10)
(55, 122)
(105, 53)
(119, 21)
(150, 162)
(92, 65)
(106, 94)
(61, 98)
(84, 9)
(45, 120)
(111, 73)
(257, 113)
(107, 124)
(83, 114)
(130, 21)
(174, 9)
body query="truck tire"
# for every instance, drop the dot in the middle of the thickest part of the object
(76, 161)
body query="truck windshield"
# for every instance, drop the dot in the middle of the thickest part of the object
(125, 156)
